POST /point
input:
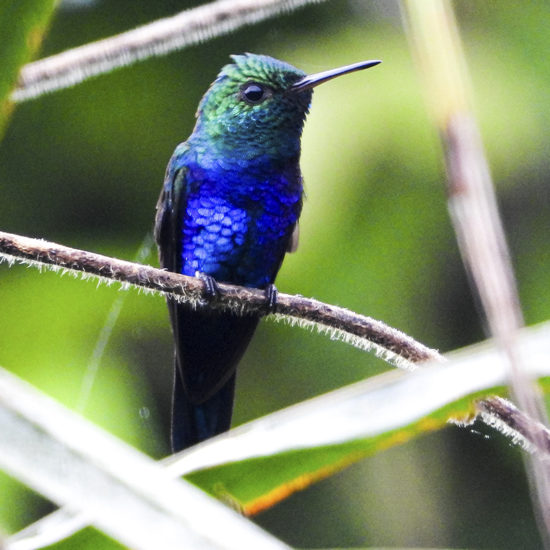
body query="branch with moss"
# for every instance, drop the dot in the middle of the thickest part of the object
(509, 420)
(340, 323)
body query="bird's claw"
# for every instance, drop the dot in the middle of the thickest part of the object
(211, 288)
(271, 294)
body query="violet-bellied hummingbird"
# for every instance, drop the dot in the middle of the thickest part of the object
(228, 212)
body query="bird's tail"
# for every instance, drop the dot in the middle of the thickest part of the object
(192, 423)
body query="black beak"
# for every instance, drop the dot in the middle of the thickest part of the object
(313, 80)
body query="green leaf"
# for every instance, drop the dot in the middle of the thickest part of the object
(22, 27)
(257, 484)
(260, 464)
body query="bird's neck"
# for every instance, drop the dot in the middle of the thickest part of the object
(245, 148)
(240, 171)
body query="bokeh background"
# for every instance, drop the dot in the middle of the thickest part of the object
(84, 167)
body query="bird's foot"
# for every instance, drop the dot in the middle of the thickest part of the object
(271, 294)
(211, 288)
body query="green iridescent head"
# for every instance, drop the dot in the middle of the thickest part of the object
(257, 106)
(251, 107)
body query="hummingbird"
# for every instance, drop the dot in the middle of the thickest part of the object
(228, 211)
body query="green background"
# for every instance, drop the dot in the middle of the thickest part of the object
(84, 167)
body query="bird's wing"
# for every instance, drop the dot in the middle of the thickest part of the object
(173, 194)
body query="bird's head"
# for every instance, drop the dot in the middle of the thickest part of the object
(257, 105)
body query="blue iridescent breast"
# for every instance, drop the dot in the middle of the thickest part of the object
(237, 220)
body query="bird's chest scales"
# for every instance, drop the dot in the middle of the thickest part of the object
(237, 223)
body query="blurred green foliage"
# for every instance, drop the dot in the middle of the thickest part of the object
(84, 167)
(22, 27)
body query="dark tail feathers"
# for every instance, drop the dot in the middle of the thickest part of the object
(193, 423)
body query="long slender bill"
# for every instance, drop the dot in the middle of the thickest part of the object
(312, 80)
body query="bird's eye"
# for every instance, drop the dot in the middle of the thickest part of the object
(254, 93)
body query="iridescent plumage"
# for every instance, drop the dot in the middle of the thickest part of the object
(230, 203)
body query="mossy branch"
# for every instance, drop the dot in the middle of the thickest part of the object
(340, 323)
(361, 331)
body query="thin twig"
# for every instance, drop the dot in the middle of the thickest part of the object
(349, 326)
(342, 324)
(507, 418)
(154, 39)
